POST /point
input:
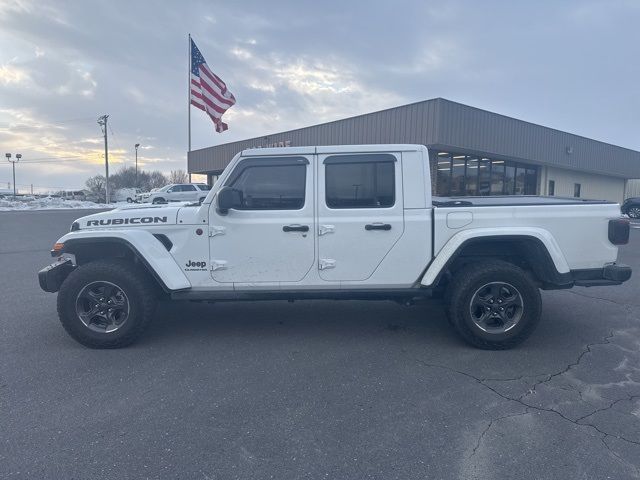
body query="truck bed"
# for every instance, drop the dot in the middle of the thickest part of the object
(577, 228)
(512, 200)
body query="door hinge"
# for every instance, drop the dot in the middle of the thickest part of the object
(324, 229)
(213, 231)
(326, 263)
(218, 265)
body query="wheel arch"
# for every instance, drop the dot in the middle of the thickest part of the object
(150, 251)
(536, 252)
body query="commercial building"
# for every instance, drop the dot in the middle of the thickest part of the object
(472, 151)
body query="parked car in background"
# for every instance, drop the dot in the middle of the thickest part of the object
(631, 207)
(141, 196)
(72, 195)
(124, 195)
(179, 192)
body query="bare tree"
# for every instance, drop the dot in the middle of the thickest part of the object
(178, 176)
(124, 178)
(157, 180)
(96, 184)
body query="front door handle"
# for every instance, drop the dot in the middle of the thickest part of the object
(377, 226)
(295, 228)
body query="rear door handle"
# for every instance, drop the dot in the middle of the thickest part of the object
(295, 228)
(377, 226)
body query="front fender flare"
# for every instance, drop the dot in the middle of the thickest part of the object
(449, 250)
(148, 249)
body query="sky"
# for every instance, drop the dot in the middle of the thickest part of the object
(571, 65)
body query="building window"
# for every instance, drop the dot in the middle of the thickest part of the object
(360, 181)
(497, 177)
(576, 190)
(530, 181)
(443, 173)
(472, 176)
(552, 188)
(509, 179)
(484, 177)
(458, 175)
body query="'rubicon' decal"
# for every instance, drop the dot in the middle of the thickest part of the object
(125, 221)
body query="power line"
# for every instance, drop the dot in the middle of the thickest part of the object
(53, 161)
(52, 122)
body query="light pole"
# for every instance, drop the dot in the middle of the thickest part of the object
(13, 165)
(102, 121)
(136, 147)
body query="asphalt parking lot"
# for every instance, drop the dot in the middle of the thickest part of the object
(314, 389)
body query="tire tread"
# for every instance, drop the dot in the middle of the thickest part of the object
(464, 280)
(146, 294)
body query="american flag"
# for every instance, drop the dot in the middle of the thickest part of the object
(208, 92)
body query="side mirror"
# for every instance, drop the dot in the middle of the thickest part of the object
(228, 198)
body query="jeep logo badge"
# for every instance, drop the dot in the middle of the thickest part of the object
(192, 266)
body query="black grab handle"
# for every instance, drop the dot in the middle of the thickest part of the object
(295, 228)
(377, 226)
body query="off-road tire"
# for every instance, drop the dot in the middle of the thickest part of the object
(140, 291)
(157, 201)
(465, 284)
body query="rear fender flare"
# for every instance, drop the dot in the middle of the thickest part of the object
(455, 244)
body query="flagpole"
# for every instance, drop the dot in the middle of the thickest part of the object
(189, 105)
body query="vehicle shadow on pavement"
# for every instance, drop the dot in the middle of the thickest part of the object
(180, 321)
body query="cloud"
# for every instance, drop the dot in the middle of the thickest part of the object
(293, 64)
(11, 74)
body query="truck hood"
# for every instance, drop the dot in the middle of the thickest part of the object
(138, 216)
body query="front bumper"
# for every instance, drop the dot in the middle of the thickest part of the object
(611, 274)
(52, 276)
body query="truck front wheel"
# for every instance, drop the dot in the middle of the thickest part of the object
(494, 305)
(106, 303)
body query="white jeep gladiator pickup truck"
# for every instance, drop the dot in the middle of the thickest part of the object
(337, 222)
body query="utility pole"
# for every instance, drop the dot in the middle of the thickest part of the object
(102, 121)
(136, 147)
(13, 164)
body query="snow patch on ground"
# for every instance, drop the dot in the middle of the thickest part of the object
(46, 203)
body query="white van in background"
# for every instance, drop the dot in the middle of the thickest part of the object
(124, 195)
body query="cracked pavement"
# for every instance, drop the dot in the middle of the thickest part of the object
(314, 389)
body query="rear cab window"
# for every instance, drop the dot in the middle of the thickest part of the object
(360, 181)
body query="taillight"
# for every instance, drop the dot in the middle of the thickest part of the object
(619, 231)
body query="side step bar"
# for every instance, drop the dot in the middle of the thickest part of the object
(403, 294)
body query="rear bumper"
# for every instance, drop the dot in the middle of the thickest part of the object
(52, 276)
(611, 274)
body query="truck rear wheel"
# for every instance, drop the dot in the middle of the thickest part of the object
(494, 305)
(106, 303)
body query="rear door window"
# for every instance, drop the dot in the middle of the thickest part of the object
(360, 181)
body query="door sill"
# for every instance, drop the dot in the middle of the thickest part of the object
(402, 294)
